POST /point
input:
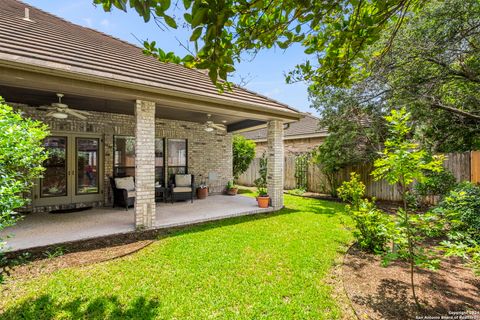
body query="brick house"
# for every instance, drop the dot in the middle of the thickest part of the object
(145, 118)
(299, 137)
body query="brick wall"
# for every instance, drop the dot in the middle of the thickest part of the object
(209, 153)
(292, 146)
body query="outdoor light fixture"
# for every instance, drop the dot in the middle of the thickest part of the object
(60, 115)
(209, 129)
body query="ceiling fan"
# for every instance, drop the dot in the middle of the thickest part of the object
(60, 110)
(210, 125)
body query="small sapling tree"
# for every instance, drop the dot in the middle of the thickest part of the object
(402, 163)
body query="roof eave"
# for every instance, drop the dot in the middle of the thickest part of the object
(33, 65)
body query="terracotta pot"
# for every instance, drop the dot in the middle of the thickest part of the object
(263, 201)
(202, 193)
(232, 191)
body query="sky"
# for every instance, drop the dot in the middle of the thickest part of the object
(264, 74)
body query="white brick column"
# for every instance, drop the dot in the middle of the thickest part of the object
(144, 164)
(275, 163)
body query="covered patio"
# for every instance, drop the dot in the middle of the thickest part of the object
(45, 229)
(115, 113)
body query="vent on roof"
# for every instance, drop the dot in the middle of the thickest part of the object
(27, 15)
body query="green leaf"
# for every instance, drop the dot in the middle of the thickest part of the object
(196, 34)
(188, 58)
(165, 5)
(187, 4)
(120, 4)
(170, 21)
(198, 16)
(282, 45)
(187, 17)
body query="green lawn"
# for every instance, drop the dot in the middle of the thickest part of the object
(271, 266)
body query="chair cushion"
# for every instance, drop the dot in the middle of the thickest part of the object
(182, 189)
(125, 183)
(183, 180)
(131, 194)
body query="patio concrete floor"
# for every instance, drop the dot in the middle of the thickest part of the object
(41, 229)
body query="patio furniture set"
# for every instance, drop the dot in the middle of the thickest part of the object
(180, 187)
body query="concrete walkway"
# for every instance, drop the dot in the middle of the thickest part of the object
(41, 229)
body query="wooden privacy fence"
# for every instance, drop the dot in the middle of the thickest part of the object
(464, 167)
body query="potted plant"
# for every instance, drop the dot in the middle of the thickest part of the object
(232, 189)
(202, 191)
(263, 199)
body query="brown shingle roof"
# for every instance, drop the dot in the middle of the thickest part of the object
(308, 125)
(50, 40)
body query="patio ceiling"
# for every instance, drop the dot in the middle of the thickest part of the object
(37, 98)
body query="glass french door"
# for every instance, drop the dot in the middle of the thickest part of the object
(73, 170)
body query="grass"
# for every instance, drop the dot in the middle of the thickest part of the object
(272, 266)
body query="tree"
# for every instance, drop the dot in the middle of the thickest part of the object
(431, 69)
(21, 158)
(243, 154)
(334, 33)
(356, 132)
(402, 163)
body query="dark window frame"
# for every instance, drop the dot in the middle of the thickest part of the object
(186, 157)
(76, 167)
(133, 167)
(67, 178)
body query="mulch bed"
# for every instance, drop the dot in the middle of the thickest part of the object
(385, 293)
(82, 258)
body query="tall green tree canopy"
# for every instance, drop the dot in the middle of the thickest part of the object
(432, 68)
(335, 33)
(357, 128)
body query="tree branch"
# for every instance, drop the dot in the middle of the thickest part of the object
(438, 105)
(459, 73)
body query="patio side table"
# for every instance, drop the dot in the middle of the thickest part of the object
(161, 194)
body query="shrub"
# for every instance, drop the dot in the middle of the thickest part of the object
(352, 191)
(436, 184)
(462, 208)
(243, 154)
(372, 225)
(21, 159)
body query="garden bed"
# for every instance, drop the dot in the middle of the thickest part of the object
(59, 259)
(385, 293)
